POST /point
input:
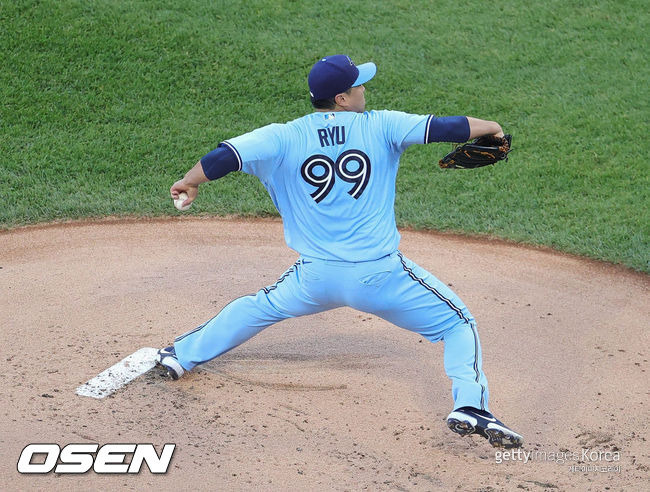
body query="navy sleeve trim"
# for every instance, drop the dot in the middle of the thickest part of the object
(230, 146)
(220, 161)
(426, 132)
(447, 129)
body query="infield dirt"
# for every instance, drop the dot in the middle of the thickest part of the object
(337, 401)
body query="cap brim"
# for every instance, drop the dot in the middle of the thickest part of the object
(366, 72)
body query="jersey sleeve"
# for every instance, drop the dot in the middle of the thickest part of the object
(403, 129)
(258, 152)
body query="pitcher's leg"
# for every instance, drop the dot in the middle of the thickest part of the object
(416, 300)
(463, 366)
(244, 318)
(239, 321)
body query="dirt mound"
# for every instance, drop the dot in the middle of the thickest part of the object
(337, 401)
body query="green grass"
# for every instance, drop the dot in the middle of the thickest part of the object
(102, 100)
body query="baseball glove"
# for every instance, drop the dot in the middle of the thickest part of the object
(480, 152)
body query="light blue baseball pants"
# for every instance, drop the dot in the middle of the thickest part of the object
(393, 288)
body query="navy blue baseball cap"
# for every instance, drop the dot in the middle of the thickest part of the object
(337, 73)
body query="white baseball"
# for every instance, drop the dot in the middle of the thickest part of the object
(178, 203)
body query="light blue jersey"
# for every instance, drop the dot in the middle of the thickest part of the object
(332, 178)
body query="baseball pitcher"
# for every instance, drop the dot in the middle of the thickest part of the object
(331, 174)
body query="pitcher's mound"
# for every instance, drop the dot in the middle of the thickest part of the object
(336, 401)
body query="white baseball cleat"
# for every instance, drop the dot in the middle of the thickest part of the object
(166, 357)
(469, 420)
